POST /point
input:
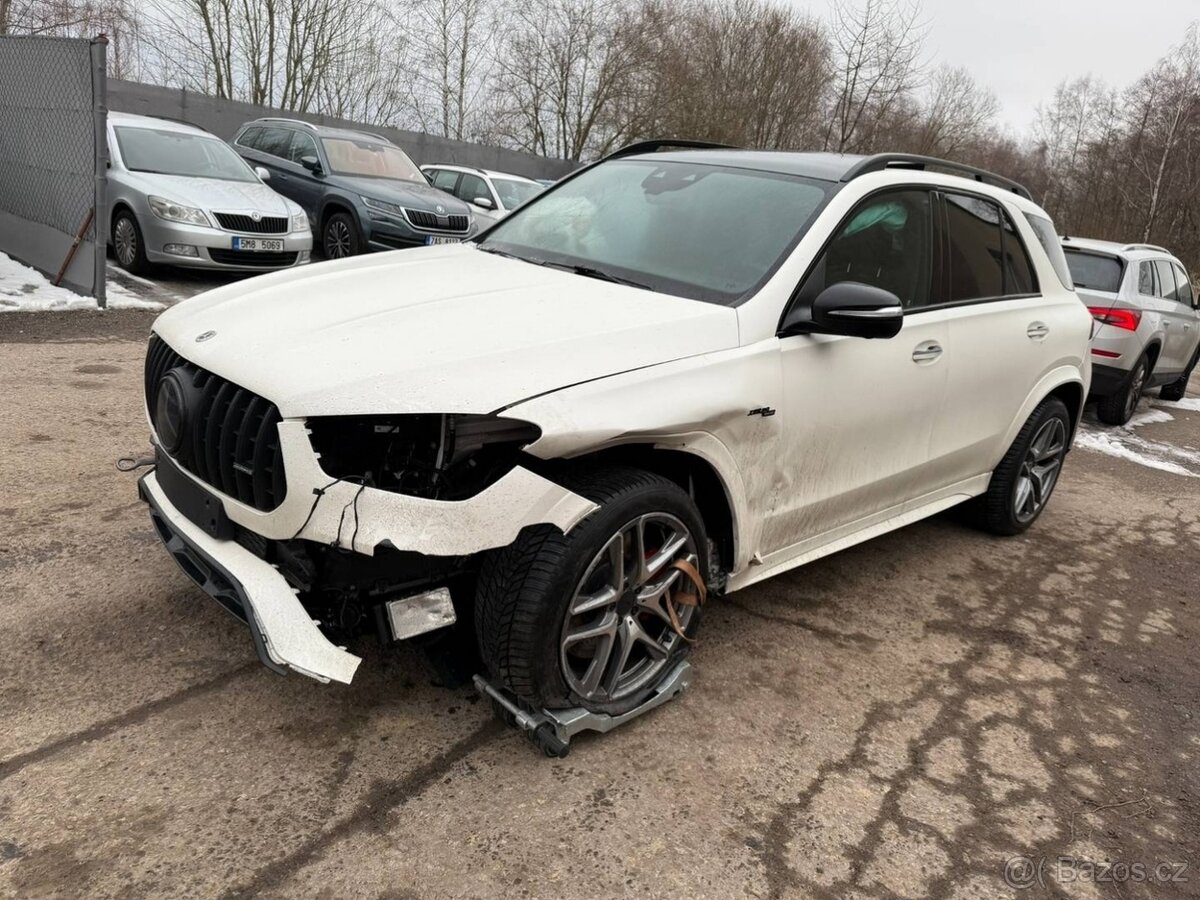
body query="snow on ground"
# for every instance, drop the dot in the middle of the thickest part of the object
(1123, 443)
(26, 289)
(1191, 404)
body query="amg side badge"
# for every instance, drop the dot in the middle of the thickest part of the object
(763, 411)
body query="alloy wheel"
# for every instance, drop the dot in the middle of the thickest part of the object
(617, 634)
(1040, 469)
(337, 239)
(125, 241)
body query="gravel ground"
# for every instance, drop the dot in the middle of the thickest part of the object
(899, 719)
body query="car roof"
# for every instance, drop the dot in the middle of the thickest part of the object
(1125, 251)
(475, 170)
(122, 118)
(330, 131)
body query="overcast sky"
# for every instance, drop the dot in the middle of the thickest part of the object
(1021, 49)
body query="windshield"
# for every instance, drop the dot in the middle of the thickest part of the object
(348, 156)
(180, 153)
(705, 232)
(513, 193)
(1095, 272)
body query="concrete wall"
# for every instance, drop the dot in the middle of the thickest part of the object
(224, 117)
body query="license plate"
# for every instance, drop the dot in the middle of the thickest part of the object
(438, 239)
(257, 245)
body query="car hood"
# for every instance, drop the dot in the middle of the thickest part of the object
(432, 329)
(215, 194)
(403, 193)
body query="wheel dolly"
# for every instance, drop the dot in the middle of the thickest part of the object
(552, 729)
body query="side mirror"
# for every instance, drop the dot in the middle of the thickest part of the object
(484, 203)
(311, 163)
(849, 308)
(264, 174)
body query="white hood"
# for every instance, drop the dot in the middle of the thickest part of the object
(436, 329)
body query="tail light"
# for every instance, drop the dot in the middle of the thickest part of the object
(1129, 319)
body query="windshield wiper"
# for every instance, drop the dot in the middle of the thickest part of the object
(593, 272)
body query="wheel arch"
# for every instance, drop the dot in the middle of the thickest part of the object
(334, 205)
(1064, 382)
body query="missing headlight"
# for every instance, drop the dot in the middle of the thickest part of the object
(440, 457)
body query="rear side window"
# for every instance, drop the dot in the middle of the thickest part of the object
(1166, 280)
(1048, 238)
(1095, 271)
(1018, 270)
(1146, 278)
(1186, 295)
(976, 248)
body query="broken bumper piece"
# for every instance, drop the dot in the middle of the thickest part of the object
(284, 634)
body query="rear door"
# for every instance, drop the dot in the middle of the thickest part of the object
(1189, 313)
(1176, 321)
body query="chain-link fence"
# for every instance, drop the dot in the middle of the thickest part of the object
(52, 158)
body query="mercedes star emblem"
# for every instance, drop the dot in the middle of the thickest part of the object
(201, 338)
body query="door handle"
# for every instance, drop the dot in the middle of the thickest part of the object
(1037, 331)
(926, 352)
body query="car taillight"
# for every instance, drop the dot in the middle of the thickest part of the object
(1129, 319)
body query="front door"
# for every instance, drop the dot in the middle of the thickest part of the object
(858, 414)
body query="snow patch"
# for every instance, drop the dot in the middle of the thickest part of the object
(1152, 454)
(1149, 417)
(1191, 404)
(25, 289)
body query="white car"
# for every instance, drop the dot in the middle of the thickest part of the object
(675, 365)
(493, 194)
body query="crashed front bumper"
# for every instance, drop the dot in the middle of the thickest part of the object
(342, 514)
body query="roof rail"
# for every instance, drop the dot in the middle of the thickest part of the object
(881, 161)
(663, 143)
(1152, 247)
(287, 120)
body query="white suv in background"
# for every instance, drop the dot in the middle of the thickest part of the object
(493, 194)
(1148, 331)
(673, 367)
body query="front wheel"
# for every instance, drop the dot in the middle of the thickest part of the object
(1027, 475)
(583, 619)
(1176, 389)
(340, 237)
(128, 246)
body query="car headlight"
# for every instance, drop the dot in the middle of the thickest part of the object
(441, 457)
(173, 212)
(300, 221)
(383, 206)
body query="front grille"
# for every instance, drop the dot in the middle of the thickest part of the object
(230, 440)
(250, 258)
(433, 222)
(265, 225)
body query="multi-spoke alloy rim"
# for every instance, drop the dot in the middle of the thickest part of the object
(125, 241)
(337, 240)
(1135, 390)
(617, 635)
(1039, 470)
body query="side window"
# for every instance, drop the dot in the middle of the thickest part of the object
(1166, 280)
(472, 186)
(302, 145)
(249, 137)
(274, 141)
(1048, 238)
(886, 243)
(1018, 270)
(1184, 292)
(445, 179)
(1146, 278)
(976, 248)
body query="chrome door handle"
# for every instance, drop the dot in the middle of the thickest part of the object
(1037, 331)
(927, 352)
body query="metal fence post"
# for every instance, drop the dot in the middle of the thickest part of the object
(100, 117)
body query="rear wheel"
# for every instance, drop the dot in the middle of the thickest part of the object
(1176, 389)
(582, 619)
(128, 246)
(1117, 408)
(1023, 482)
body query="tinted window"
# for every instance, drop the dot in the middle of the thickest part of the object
(1094, 271)
(473, 186)
(1166, 280)
(976, 250)
(707, 232)
(885, 243)
(275, 141)
(1146, 278)
(302, 145)
(1044, 229)
(250, 137)
(1184, 284)
(445, 179)
(1018, 270)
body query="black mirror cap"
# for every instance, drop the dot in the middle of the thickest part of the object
(311, 163)
(849, 308)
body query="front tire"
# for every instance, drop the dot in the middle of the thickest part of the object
(340, 237)
(1117, 408)
(1027, 475)
(129, 248)
(580, 619)
(1176, 389)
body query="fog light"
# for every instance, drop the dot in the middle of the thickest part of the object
(181, 250)
(415, 615)
(305, 256)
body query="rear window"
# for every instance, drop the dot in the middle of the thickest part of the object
(1094, 271)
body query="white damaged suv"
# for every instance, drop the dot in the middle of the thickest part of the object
(675, 365)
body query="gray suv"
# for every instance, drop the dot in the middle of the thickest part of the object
(1147, 331)
(360, 191)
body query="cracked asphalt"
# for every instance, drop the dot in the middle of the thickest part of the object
(900, 719)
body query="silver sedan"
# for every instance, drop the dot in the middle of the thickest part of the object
(180, 196)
